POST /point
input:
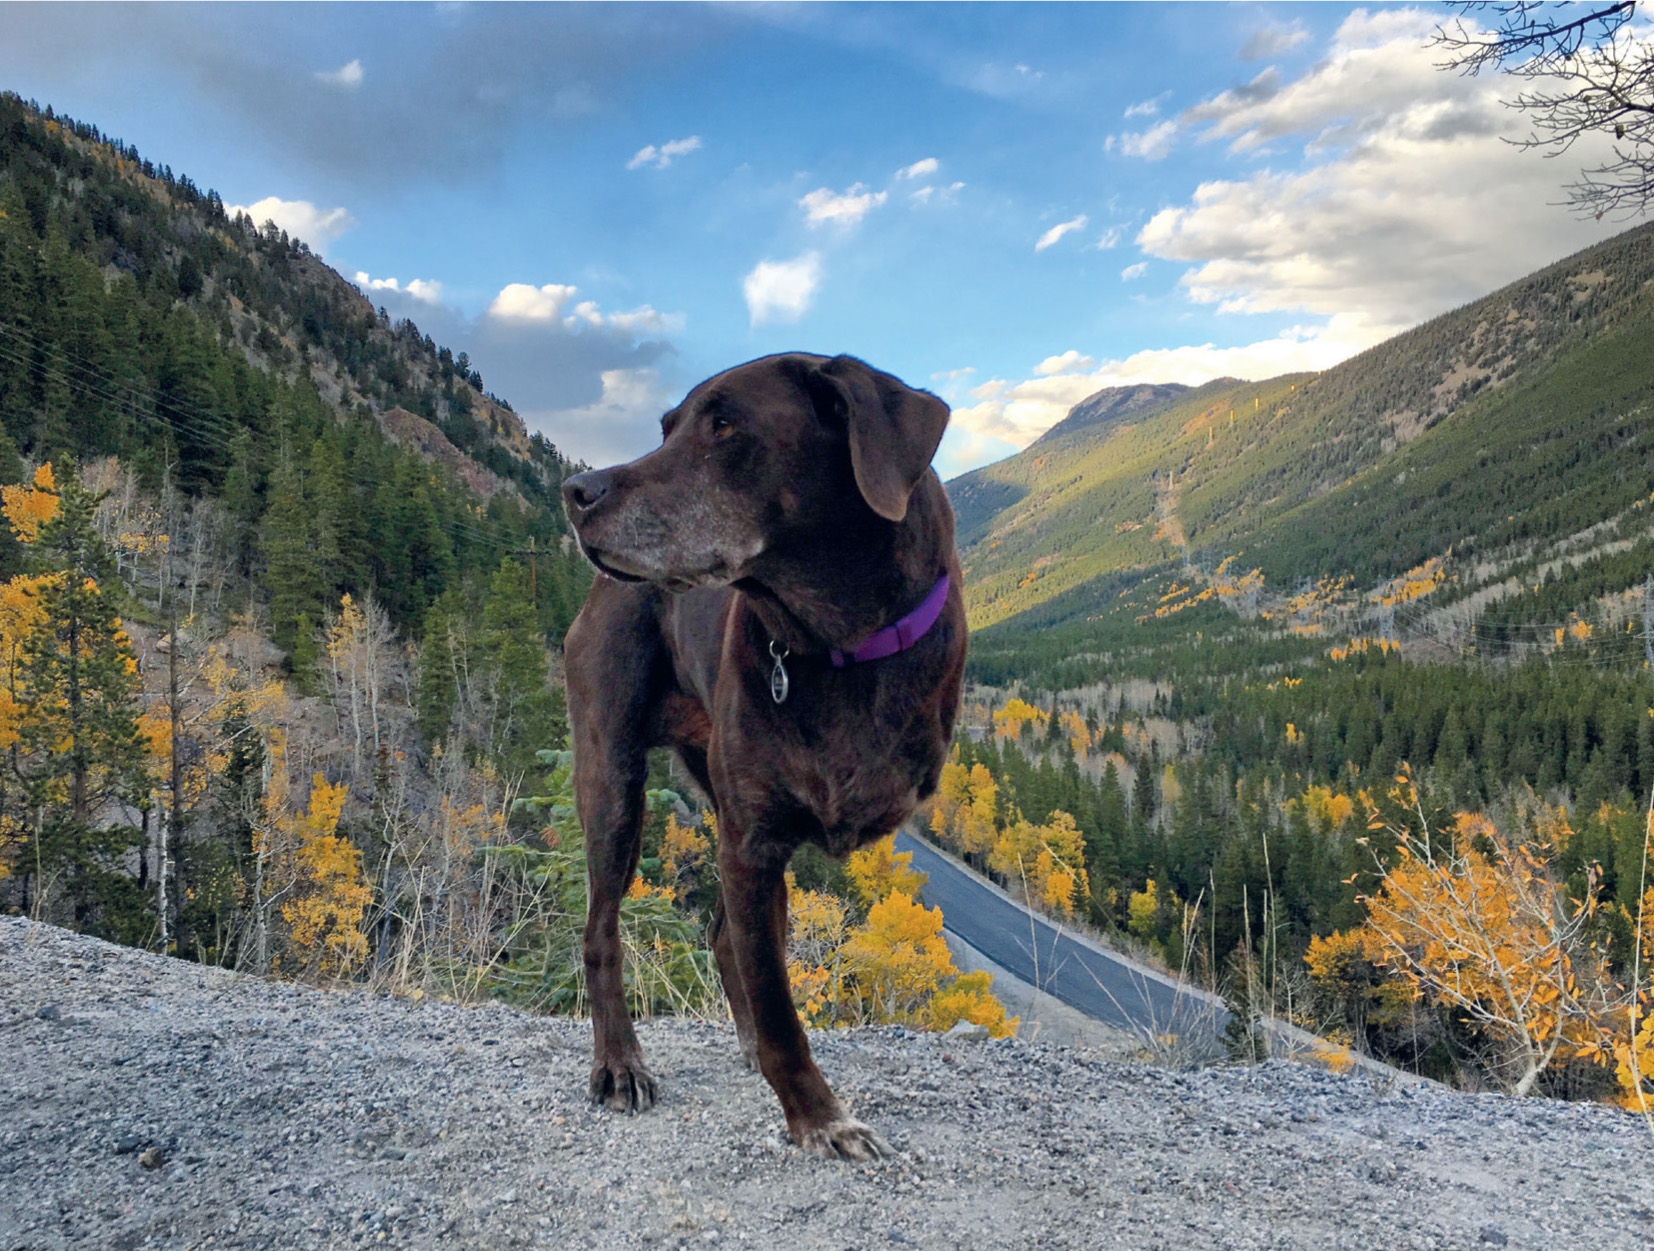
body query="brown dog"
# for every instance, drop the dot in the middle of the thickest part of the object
(789, 518)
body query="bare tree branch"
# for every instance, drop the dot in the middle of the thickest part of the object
(1586, 75)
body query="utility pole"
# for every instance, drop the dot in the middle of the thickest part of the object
(533, 553)
(1648, 622)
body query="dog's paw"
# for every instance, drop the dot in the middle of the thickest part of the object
(844, 1139)
(624, 1085)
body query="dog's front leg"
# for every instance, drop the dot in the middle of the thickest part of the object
(755, 919)
(610, 800)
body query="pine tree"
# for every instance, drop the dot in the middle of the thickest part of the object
(80, 752)
(527, 713)
(287, 538)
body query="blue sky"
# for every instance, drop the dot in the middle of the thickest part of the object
(1012, 205)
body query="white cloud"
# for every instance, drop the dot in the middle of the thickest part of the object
(1108, 239)
(1017, 413)
(920, 169)
(525, 304)
(616, 426)
(1153, 144)
(781, 290)
(1134, 271)
(1272, 41)
(1067, 363)
(1058, 231)
(665, 154)
(1387, 223)
(942, 195)
(347, 76)
(1144, 108)
(845, 208)
(519, 301)
(299, 218)
(646, 321)
(426, 292)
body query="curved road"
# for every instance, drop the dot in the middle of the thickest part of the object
(1079, 973)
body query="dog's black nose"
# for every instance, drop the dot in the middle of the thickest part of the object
(584, 489)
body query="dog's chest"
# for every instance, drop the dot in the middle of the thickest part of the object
(856, 779)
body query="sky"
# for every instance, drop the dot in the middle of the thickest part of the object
(1010, 205)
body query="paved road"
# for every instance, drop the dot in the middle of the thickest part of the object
(1081, 975)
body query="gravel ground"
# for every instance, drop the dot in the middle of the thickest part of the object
(148, 1102)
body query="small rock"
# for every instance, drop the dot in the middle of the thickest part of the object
(153, 1158)
(394, 1153)
(1494, 1235)
(967, 1031)
(126, 1144)
(51, 1012)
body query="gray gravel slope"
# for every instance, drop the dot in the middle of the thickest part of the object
(277, 1116)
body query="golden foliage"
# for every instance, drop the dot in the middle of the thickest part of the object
(331, 894)
(898, 958)
(1048, 859)
(683, 850)
(819, 926)
(965, 811)
(970, 999)
(1415, 584)
(1476, 920)
(28, 508)
(1079, 737)
(878, 870)
(1323, 805)
(1359, 646)
(894, 968)
(1009, 720)
(1141, 909)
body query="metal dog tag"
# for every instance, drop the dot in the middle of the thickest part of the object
(778, 675)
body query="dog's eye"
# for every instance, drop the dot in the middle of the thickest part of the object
(722, 428)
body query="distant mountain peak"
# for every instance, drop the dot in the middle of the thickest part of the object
(1111, 405)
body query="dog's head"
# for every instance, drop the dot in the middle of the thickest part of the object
(752, 460)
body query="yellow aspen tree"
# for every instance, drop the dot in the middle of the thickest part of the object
(879, 870)
(684, 849)
(324, 914)
(968, 998)
(1141, 909)
(1009, 720)
(1634, 1052)
(819, 925)
(28, 508)
(1477, 921)
(898, 959)
(977, 824)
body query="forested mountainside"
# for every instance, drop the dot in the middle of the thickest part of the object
(284, 580)
(223, 359)
(1433, 440)
(1338, 686)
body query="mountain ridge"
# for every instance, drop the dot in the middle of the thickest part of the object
(1324, 475)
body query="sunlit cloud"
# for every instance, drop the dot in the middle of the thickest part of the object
(660, 157)
(1058, 231)
(301, 219)
(781, 291)
(843, 208)
(348, 76)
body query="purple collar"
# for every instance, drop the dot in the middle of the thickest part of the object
(904, 634)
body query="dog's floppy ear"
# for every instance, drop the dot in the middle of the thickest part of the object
(893, 431)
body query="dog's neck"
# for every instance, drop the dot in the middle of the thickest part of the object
(853, 581)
